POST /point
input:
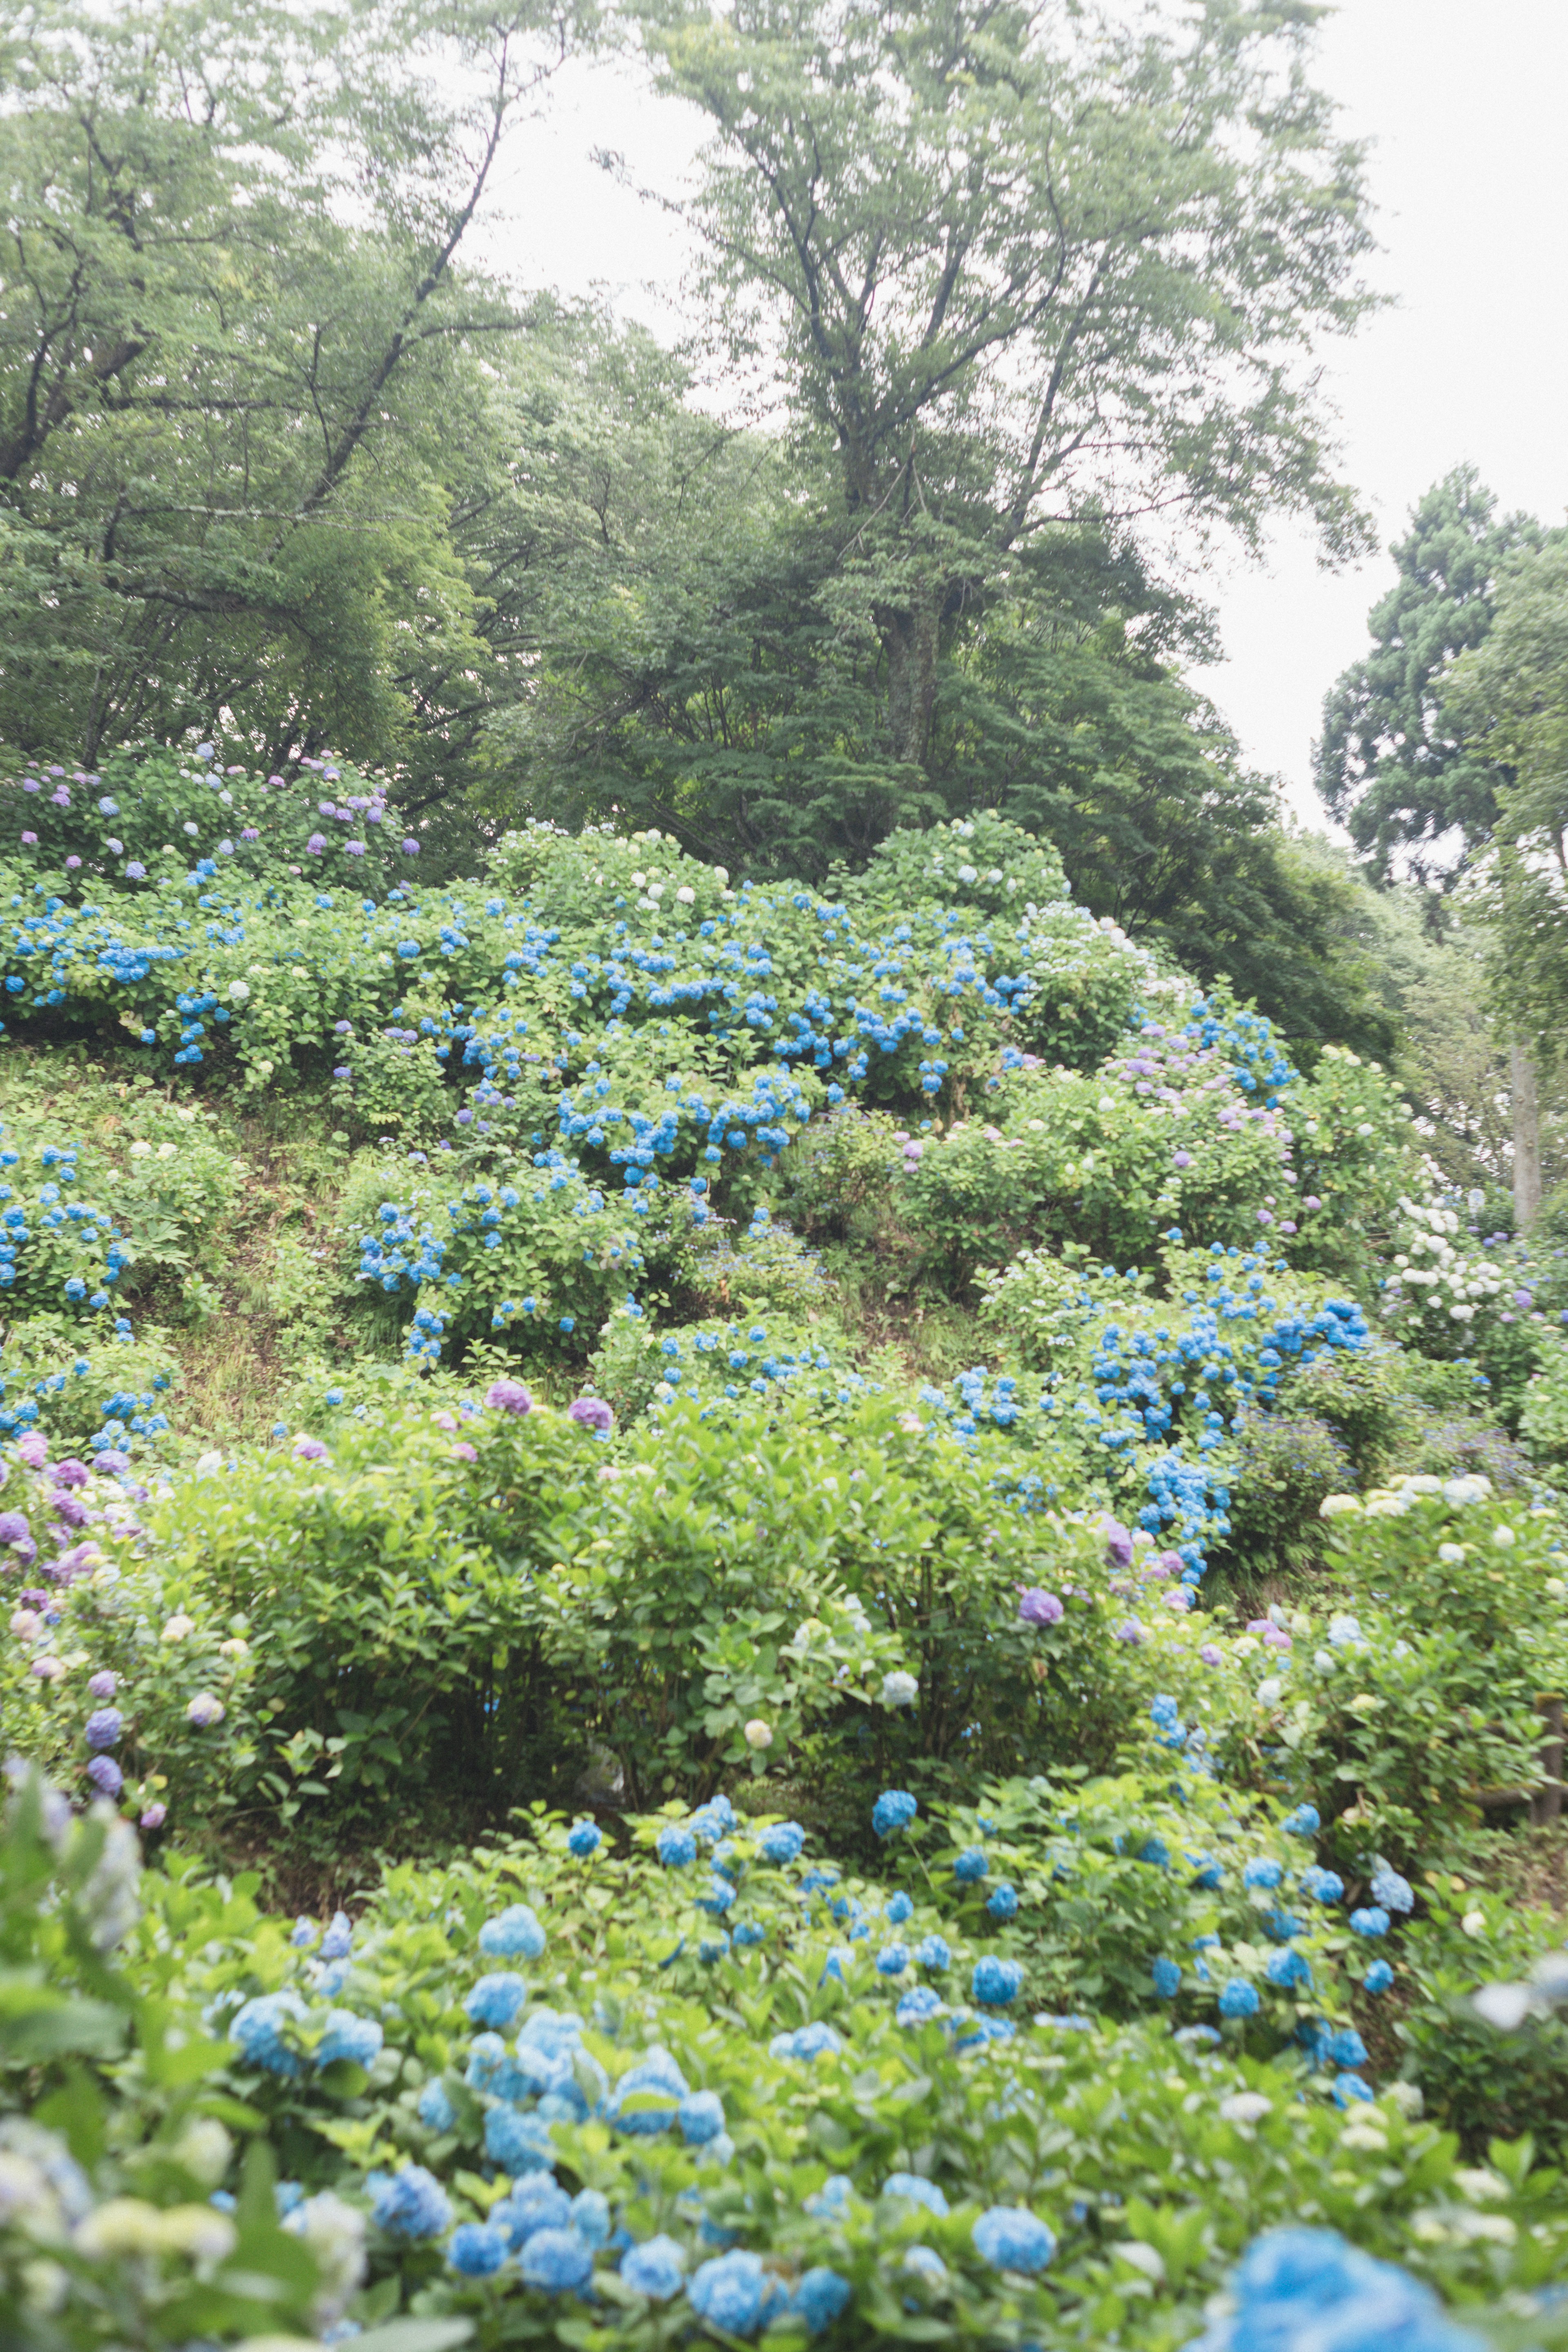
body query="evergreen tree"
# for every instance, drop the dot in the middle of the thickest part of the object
(1394, 764)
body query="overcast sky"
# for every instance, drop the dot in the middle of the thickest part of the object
(1465, 106)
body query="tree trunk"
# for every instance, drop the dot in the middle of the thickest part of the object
(909, 642)
(1526, 1139)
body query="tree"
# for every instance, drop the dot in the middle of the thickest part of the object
(1419, 781)
(234, 338)
(1511, 693)
(1393, 764)
(1018, 271)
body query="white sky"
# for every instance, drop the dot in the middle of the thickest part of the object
(1470, 171)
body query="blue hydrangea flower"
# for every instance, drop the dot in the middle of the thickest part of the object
(781, 1843)
(732, 2292)
(1378, 1977)
(916, 2190)
(718, 1898)
(1348, 2089)
(517, 2142)
(820, 2298)
(436, 2110)
(675, 1847)
(656, 2268)
(1371, 1921)
(558, 2262)
(713, 1821)
(926, 2264)
(892, 1959)
(1304, 1823)
(591, 2216)
(1293, 2280)
(477, 2248)
(816, 2040)
(934, 1952)
(970, 1866)
(336, 1942)
(584, 1838)
(832, 2199)
(1014, 2238)
(750, 1932)
(1391, 1892)
(408, 2203)
(303, 1933)
(535, 2200)
(1322, 1886)
(1287, 1968)
(648, 2094)
(900, 1908)
(1003, 1901)
(1346, 2047)
(513, 1934)
(495, 2000)
(1167, 1979)
(996, 1982)
(701, 2117)
(1238, 1999)
(348, 2036)
(1263, 1871)
(258, 2029)
(918, 2003)
(894, 1810)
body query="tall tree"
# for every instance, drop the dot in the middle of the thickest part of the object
(1018, 268)
(1402, 766)
(1394, 764)
(1512, 694)
(233, 329)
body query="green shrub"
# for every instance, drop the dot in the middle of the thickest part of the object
(1480, 2081)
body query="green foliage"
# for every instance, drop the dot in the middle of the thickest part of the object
(144, 1641)
(1482, 2085)
(1421, 1705)
(113, 2127)
(1543, 1421)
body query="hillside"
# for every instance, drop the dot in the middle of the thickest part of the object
(959, 1553)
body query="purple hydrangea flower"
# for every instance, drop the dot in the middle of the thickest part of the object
(508, 1396)
(103, 1684)
(104, 1727)
(106, 1776)
(154, 1815)
(593, 1412)
(1038, 1607)
(1117, 1543)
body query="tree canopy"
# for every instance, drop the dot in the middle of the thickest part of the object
(1016, 268)
(234, 354)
